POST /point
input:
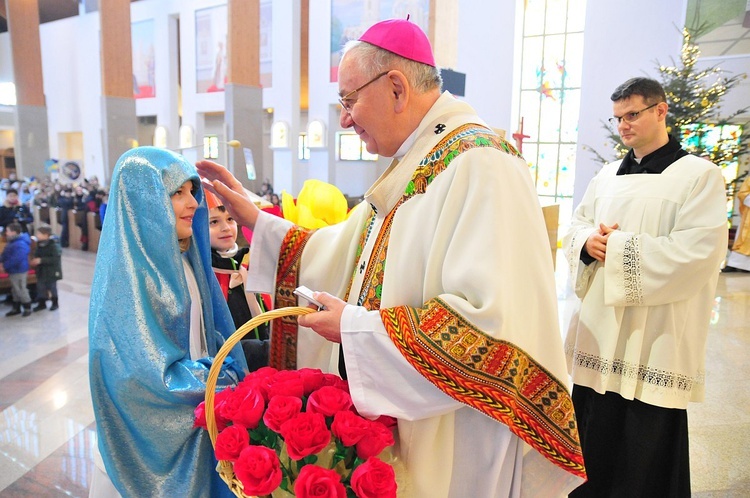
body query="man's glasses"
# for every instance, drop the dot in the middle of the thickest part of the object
(630, 116)
(346, 101)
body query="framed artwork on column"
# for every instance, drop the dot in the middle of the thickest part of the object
(266, 62)
(350, 19)
(211, 49)
(142, 35)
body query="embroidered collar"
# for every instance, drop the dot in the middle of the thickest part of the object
(388, 189)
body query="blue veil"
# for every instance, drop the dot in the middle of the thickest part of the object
(143, 384)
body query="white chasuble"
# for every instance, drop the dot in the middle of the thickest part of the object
(641, 327)
(448, 275)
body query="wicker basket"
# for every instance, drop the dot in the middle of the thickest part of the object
(225, 469)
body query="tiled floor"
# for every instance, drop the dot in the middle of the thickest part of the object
(46, 428)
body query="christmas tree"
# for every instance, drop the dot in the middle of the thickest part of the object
(694, 97)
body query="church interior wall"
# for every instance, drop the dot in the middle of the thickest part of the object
(739, 96)
(485, 54)
(6, 139)
(284, 94)
(351, 177)
(622, 40)
(86, 88)
(6, 58)
(65, 71)
(71, 70)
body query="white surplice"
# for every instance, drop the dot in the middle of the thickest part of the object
(642, 324)
(476, 239)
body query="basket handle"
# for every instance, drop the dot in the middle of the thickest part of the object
(213, 373)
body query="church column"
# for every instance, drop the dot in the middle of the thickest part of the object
(443, 32)
(32, 133)
(119, 123)
(285, 52)
(242, 93)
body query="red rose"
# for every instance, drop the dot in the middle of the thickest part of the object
(317, 482)
(243, 388)
(375, 441)
(230, 442)
(244, 407)
(251, 409)
(312, 379)
(229, 404)
(329, 400)
(374, 479)
(259, 470)
(305, 434)
(260, 379)
(263, 372)
(349, 427)
(286, 383)
(200, 416)
(280, 409)
(335, 381)
(219, 400)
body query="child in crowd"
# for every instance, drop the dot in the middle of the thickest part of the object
(15, 261)
(48, 264)
(13, 211)
(229, 262)
(156, 321)
(103, 207)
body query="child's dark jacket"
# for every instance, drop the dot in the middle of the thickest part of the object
(50, 253)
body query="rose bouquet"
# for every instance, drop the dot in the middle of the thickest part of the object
(296, 433)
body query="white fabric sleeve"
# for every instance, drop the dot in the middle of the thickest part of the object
(581, 227)
(649, 270)
(268, 235)
(381, 381)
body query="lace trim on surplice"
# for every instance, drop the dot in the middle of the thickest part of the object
(634, 372)
(573, 256)
(631, 269)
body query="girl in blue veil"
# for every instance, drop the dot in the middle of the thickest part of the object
(157, 317)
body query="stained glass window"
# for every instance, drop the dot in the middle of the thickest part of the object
(723, 143)
(303, 151)
(550, 81)
(211, 147)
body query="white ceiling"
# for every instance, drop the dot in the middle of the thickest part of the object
(731, 38)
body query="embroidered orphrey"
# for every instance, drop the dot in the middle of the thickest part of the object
(495, 377)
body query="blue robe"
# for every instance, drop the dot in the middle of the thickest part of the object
(144, 385)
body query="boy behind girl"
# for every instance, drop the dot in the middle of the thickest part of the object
(15, 261)
(48, 263)
(229, 262)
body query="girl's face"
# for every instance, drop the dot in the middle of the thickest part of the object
(184, 205)
(223, 229)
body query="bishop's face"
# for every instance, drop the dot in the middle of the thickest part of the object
(367, 107)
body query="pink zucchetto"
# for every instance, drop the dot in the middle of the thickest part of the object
(402, 37)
